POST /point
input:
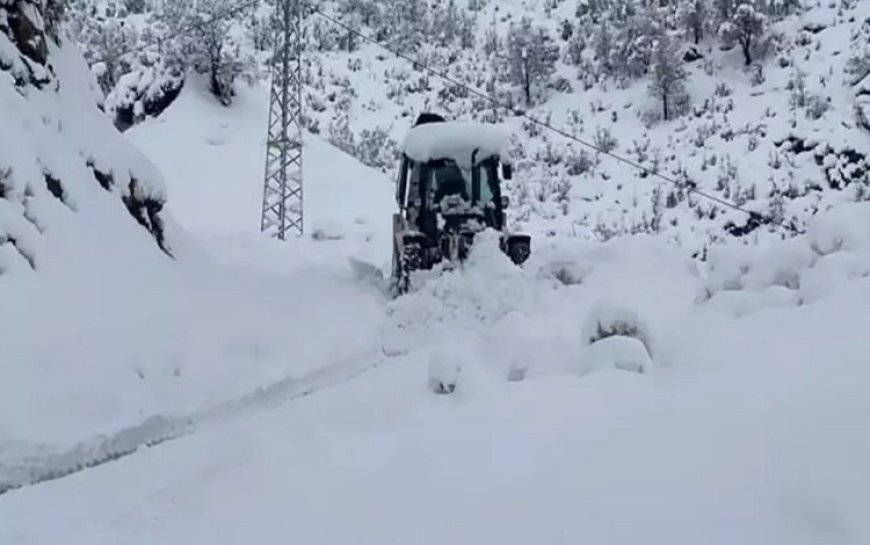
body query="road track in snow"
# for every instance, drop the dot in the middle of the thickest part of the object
(41, 468)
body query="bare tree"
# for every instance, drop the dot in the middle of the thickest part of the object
(667, 77)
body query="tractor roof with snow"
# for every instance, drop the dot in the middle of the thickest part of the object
(465, 142)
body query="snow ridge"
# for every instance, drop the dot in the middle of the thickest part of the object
(36, 467)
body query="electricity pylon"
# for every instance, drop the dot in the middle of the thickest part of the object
(282, 188)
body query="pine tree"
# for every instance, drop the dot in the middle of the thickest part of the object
(667, 77)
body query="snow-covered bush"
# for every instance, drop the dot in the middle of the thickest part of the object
(606, 323)
(605, 140)
(376, 149)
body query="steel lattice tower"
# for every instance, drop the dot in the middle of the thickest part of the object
(282, 189)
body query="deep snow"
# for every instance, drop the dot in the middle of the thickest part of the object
(745, 426)
(753, 434)
(105, 335)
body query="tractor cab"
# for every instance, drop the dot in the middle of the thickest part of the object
(449, 188)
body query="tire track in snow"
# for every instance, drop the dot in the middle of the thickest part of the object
(155, 430)
(398, 339)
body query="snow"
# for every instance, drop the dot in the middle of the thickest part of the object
(303, 395)
(754, 436)
(109, 330)
(456, 140)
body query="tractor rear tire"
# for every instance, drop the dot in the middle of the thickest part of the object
(404, 263)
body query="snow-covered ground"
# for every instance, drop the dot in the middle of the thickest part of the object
(736, 415)
(105, 336)
(749, 430)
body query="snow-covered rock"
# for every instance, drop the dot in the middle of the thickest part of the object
(444, 371)
(618, 352)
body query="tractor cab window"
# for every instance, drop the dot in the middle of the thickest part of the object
(449, 179)
(489, 182)
(446, 177)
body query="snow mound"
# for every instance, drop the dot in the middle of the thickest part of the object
(611, 320)
(619, 352)
(756, 268)
(739, 303)
(486, 286)
(843, 227)
(444, 370)
(456, 140)
(834, 251)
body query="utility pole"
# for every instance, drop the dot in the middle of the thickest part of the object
(282, 188)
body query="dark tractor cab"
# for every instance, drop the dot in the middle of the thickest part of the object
(443, 202)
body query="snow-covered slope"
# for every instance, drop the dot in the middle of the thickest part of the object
(100, 327)
(782, 137)
(213, 159)
(776, 144)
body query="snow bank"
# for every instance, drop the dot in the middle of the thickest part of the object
(834, 251)
(456, 140)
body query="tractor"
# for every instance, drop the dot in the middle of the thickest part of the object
(448, 189)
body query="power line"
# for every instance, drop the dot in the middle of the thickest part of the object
(754, 217)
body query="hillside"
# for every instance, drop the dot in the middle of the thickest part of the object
(112, 314)
(782, 136)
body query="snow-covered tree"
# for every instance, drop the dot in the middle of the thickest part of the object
(633, 49)
(210, 41)
(407, 23)
(531, 57)
(667, 78)
(370, 13)
(445, 24)
(109, 44)
(693, 16)
(745, 27)
(723, 10)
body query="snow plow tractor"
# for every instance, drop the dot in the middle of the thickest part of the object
(449, 188)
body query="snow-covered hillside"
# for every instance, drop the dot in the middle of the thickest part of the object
(111, 312)
(780, 137)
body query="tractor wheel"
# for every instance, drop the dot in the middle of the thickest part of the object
(399, 278)
(404, 263)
